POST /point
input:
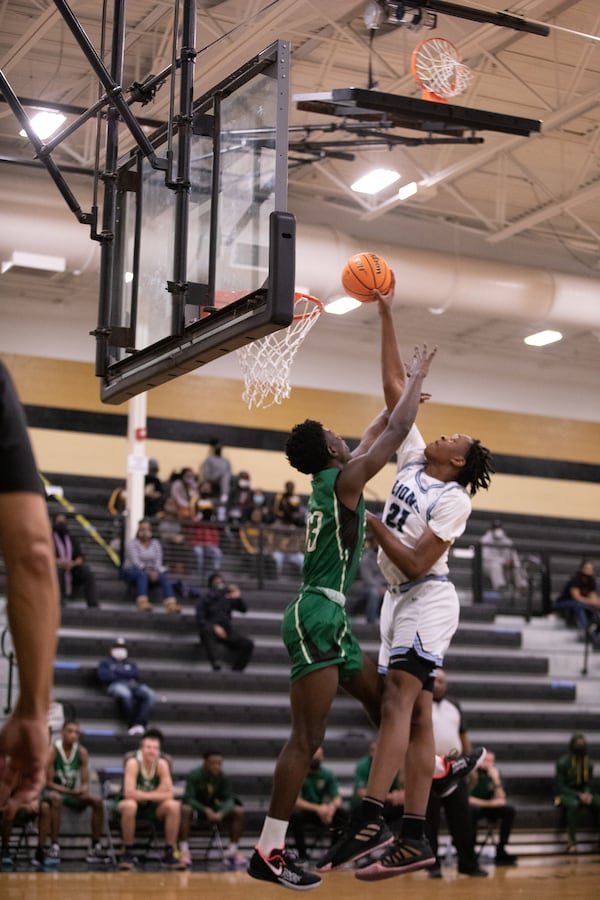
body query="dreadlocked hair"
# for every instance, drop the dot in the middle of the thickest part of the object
(306, 447)
(477, 470)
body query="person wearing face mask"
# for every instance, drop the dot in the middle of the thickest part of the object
(259, 501)
(500, 561)
(319, 804)
(123, 682)
(287, 506)
(240, 499)
(184, 487)
(214, 622)
(144, 566)
(203, 532)
(217, 470)
(73, 573)
(574, 772)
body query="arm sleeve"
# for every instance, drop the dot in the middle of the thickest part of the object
(331, 786)
(18, 470)
(190, 795)
(449, 515)
(104, 671)
(132, 556)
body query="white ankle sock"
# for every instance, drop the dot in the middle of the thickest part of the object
(272, 835)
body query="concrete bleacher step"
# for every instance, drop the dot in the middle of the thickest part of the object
(514, 681)
(105, 624)
(150, 654)
(274, 678)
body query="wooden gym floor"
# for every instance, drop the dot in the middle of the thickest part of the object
(562, 878)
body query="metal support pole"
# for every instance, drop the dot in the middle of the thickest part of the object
(113, 87)
(137, 462)
(109, 208)
(53, 170)
(178, 287)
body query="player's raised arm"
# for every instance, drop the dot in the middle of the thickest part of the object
(360, 469)
(393, 375)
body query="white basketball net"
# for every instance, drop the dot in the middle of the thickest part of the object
(266, 362)
(439, 69)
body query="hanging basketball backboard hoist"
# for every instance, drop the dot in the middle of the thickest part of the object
(197, 245)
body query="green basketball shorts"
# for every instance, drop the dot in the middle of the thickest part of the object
(317, 633)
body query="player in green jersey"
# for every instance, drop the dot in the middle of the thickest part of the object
(67, 784)
(316, 628)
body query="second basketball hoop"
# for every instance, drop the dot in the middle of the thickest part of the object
(438, 69)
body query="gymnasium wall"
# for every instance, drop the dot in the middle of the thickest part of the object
(546, 466)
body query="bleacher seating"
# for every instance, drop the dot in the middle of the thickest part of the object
(513, 703)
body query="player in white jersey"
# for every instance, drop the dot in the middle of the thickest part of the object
(427, 509)
(420, 612)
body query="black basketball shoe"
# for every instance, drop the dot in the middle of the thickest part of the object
(280, 867)
(458, 765)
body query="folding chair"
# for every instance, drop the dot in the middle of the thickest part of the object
(109, 786)
(488, 837)
(213, 843)
(19, 842)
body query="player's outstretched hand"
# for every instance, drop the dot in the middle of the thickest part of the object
(386, 299)
(421, 361)
(23, 758)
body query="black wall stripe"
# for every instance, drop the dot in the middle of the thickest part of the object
(186, 432)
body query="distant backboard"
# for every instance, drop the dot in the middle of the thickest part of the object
(201, 266)
(411, 112)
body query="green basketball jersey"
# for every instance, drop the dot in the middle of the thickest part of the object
(146, 782)
(334, 536)
(67, 768)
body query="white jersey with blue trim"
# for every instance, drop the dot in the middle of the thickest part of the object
(416, 502)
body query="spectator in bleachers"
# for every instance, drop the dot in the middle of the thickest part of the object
(500, 561)
(260, 502)
(578, 601)
(117, 502)
(257, 541)
(148, 794)
(287, 506)
(144, 566)
(288, 547)
(393, 807)
(320, 804)
(208, 798)
(67, 784)
(153, 490)
(450, 734)
(123, 682)
(574, 787)
(214, 621)
(28, 812)
(178, 556)
(183, 489)
(488, 801)
(73, 572)
(216, 469)
(203, 533)
(240, 498)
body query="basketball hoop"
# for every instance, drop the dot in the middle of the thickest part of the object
(438, 69)
(266, 362)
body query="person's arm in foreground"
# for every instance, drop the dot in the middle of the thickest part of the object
(33, 616)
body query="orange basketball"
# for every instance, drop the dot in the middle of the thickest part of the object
(365, 273)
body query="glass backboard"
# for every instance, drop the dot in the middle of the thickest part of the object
(205, 264)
